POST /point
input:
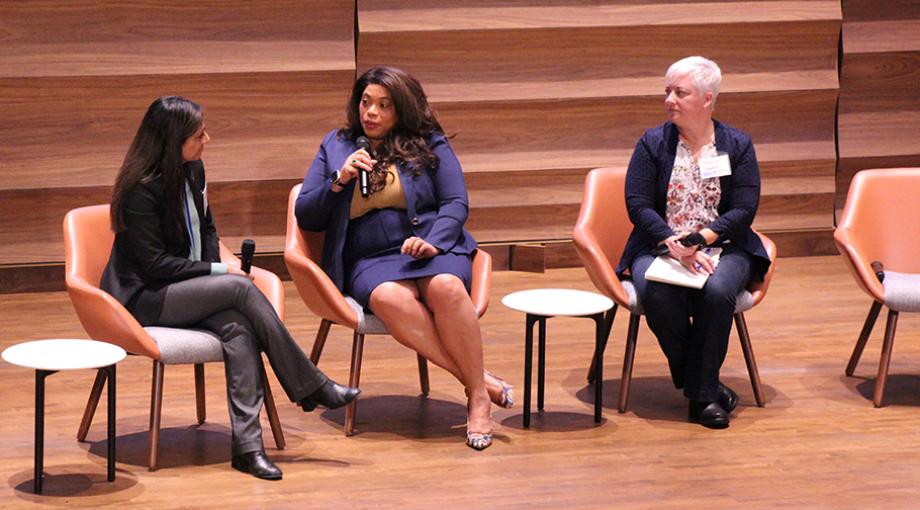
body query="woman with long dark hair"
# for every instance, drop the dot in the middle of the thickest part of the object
(165, 269)
(402, 251)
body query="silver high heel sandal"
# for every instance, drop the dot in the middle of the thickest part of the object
(478, 441)
(507, 398)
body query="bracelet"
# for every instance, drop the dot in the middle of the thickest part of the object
(335, 180)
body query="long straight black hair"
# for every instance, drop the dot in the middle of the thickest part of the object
(415, 122)
(156, 153)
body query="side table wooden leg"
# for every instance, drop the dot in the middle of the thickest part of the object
(110, 372)
(528, 362)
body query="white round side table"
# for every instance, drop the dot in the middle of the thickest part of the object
(49, 356)
(542, 304)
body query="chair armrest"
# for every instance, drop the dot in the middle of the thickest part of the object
(858, 263)
(481, 286)
(317, 290)
(599, 268)
(105, 319)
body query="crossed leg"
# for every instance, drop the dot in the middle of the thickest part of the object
(435, 317)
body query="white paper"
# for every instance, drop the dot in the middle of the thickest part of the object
(668, 270)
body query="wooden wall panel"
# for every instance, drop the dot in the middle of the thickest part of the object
(537, 93)
(879, 115)
(76, 78)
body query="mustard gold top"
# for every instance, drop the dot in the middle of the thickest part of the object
(390, 196)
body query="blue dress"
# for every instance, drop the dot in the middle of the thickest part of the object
(372, 255)
(361, 253)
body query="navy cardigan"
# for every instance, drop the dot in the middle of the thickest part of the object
(647, 187)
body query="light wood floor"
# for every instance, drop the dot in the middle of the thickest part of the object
(818, 443)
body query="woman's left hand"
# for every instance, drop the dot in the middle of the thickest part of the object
(419, 248)
(698, 263)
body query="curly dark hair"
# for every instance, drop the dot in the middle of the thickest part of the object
(415, 123)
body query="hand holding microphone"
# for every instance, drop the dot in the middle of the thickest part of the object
(363, 177)
(358, 165)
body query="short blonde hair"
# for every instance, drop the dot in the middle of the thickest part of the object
(706, 75)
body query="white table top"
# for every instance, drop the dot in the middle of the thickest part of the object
(553, 302)
(63, 354)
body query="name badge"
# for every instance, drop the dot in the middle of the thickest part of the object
(715, 166)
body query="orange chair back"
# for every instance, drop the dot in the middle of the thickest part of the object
(602, 229)
(880, 223)
(87, 243)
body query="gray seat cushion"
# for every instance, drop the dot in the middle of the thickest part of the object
(183, 346)
(368, 323)
(902, 291)
(743, 303)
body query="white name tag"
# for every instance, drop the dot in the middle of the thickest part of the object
(715, 166)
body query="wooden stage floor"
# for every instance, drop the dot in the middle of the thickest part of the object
(818, 443)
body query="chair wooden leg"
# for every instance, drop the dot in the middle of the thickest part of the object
(354, 379)
(199, 393)
(423, 375)
(156, 405)
(886, 357)
(608, 319)
(91, 404)
(320, 341)
(628, 359)
(863, 337)
(749, 360)
(271, 410)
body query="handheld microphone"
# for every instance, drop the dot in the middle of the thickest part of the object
(363, 178)
(247, 251)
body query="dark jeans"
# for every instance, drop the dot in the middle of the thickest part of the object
(234, 309)
(693, 325)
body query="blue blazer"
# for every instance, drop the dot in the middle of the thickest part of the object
(436, 202)
(647, 186)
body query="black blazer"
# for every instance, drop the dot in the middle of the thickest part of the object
(147, 256)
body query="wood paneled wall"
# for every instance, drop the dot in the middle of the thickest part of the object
(76, 78)
(879, 114)
(539, 92)
(536, 91)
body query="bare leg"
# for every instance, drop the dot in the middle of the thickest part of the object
(410, 322)
(459, 335)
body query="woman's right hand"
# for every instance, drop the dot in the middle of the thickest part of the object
(357, 161)
(677, 250)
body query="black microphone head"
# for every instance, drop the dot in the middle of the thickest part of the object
(363, 143)
(247, 250)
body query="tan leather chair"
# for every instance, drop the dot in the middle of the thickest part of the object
(600, 236)
(303, 252)
(88, 241)
(880, 223)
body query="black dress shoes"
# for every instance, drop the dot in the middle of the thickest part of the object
(330, 395)
(257, 465)
(708, 414)
(728, 399)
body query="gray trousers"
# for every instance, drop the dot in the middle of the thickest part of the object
(233, 308)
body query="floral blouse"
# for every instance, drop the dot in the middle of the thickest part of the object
(693, 202)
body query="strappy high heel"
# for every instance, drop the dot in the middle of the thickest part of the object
(479, 441)
(506, 399)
